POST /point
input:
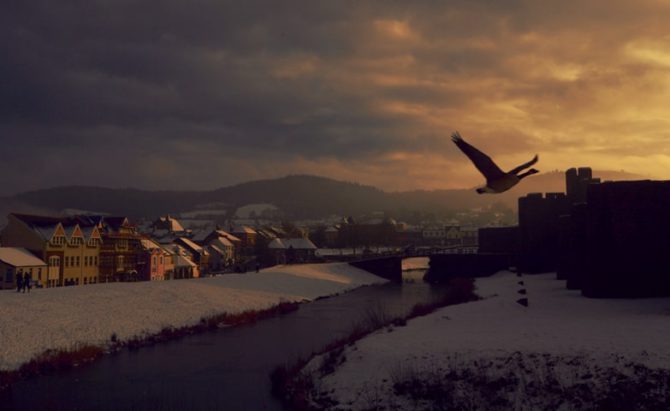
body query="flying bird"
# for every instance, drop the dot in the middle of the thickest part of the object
(497, 181)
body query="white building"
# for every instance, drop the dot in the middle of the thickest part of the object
(15, 260)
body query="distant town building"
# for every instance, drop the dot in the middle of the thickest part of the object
(332, 236)
(121, 253)
(198, 254)
(153, 261)
(17, 260)
(70, 246)
(292, 250)
(247, 236)
(184, 266)
(166, 229)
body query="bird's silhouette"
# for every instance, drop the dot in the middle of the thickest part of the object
(497, 180)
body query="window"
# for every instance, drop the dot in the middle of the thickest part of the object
(54, 261)
(85, 280)
(95, 260)
(39, 274)
(9, 276)
(77, 261)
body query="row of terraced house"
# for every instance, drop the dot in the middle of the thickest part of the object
(80, 250)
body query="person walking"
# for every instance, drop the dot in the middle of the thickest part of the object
(27, 282)
(19, 281)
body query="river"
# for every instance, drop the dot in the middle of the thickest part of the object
(223, 369)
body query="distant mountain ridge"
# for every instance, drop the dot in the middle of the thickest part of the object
(298, 196)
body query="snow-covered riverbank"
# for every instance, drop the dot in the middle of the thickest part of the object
(496, 351)
(63, 318)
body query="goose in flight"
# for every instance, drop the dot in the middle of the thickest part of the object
(497, 180)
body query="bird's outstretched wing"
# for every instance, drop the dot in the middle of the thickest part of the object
(524, 165)
(484, 164)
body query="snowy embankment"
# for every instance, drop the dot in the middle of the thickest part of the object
(562, 351)
(62, 318)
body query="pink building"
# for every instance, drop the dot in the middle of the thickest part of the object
(152, 266)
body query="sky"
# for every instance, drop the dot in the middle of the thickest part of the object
(204, 94)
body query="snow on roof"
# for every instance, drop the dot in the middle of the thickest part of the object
(229, 236)
(149, 244)
(87, 231)
(296, 243)
(277, 244)
(19, 257)
(167, 250)
(299, 243)
(222, 242)
(46, 232)
(243, 229)
(172, 223)
(181, 261)
(215, 248)
(69, 230)
(190, 244)
(332, 229)
(200, 235)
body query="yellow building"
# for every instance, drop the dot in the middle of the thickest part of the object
(70, 246)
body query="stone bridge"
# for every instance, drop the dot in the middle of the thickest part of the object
(442, 266)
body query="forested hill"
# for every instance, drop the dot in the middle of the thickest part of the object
(298, 196)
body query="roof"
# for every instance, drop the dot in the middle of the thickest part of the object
(213, 247)
(181, 261)
(69, 230)
(115, 222)
(190, 244)
(46, 232)
(276, 243)
(45, 226)
(299, 243)
(88, 232)
(200, 236)
(149, 244)
(167, 250)
(37, 220)
(19, 257)
(243, 229)
(168, 223)
(229, 236)
(295, 243)
(222, 242)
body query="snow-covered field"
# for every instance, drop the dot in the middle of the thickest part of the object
(61, 318)
(497, 354)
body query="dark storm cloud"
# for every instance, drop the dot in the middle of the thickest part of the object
(205, 93)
